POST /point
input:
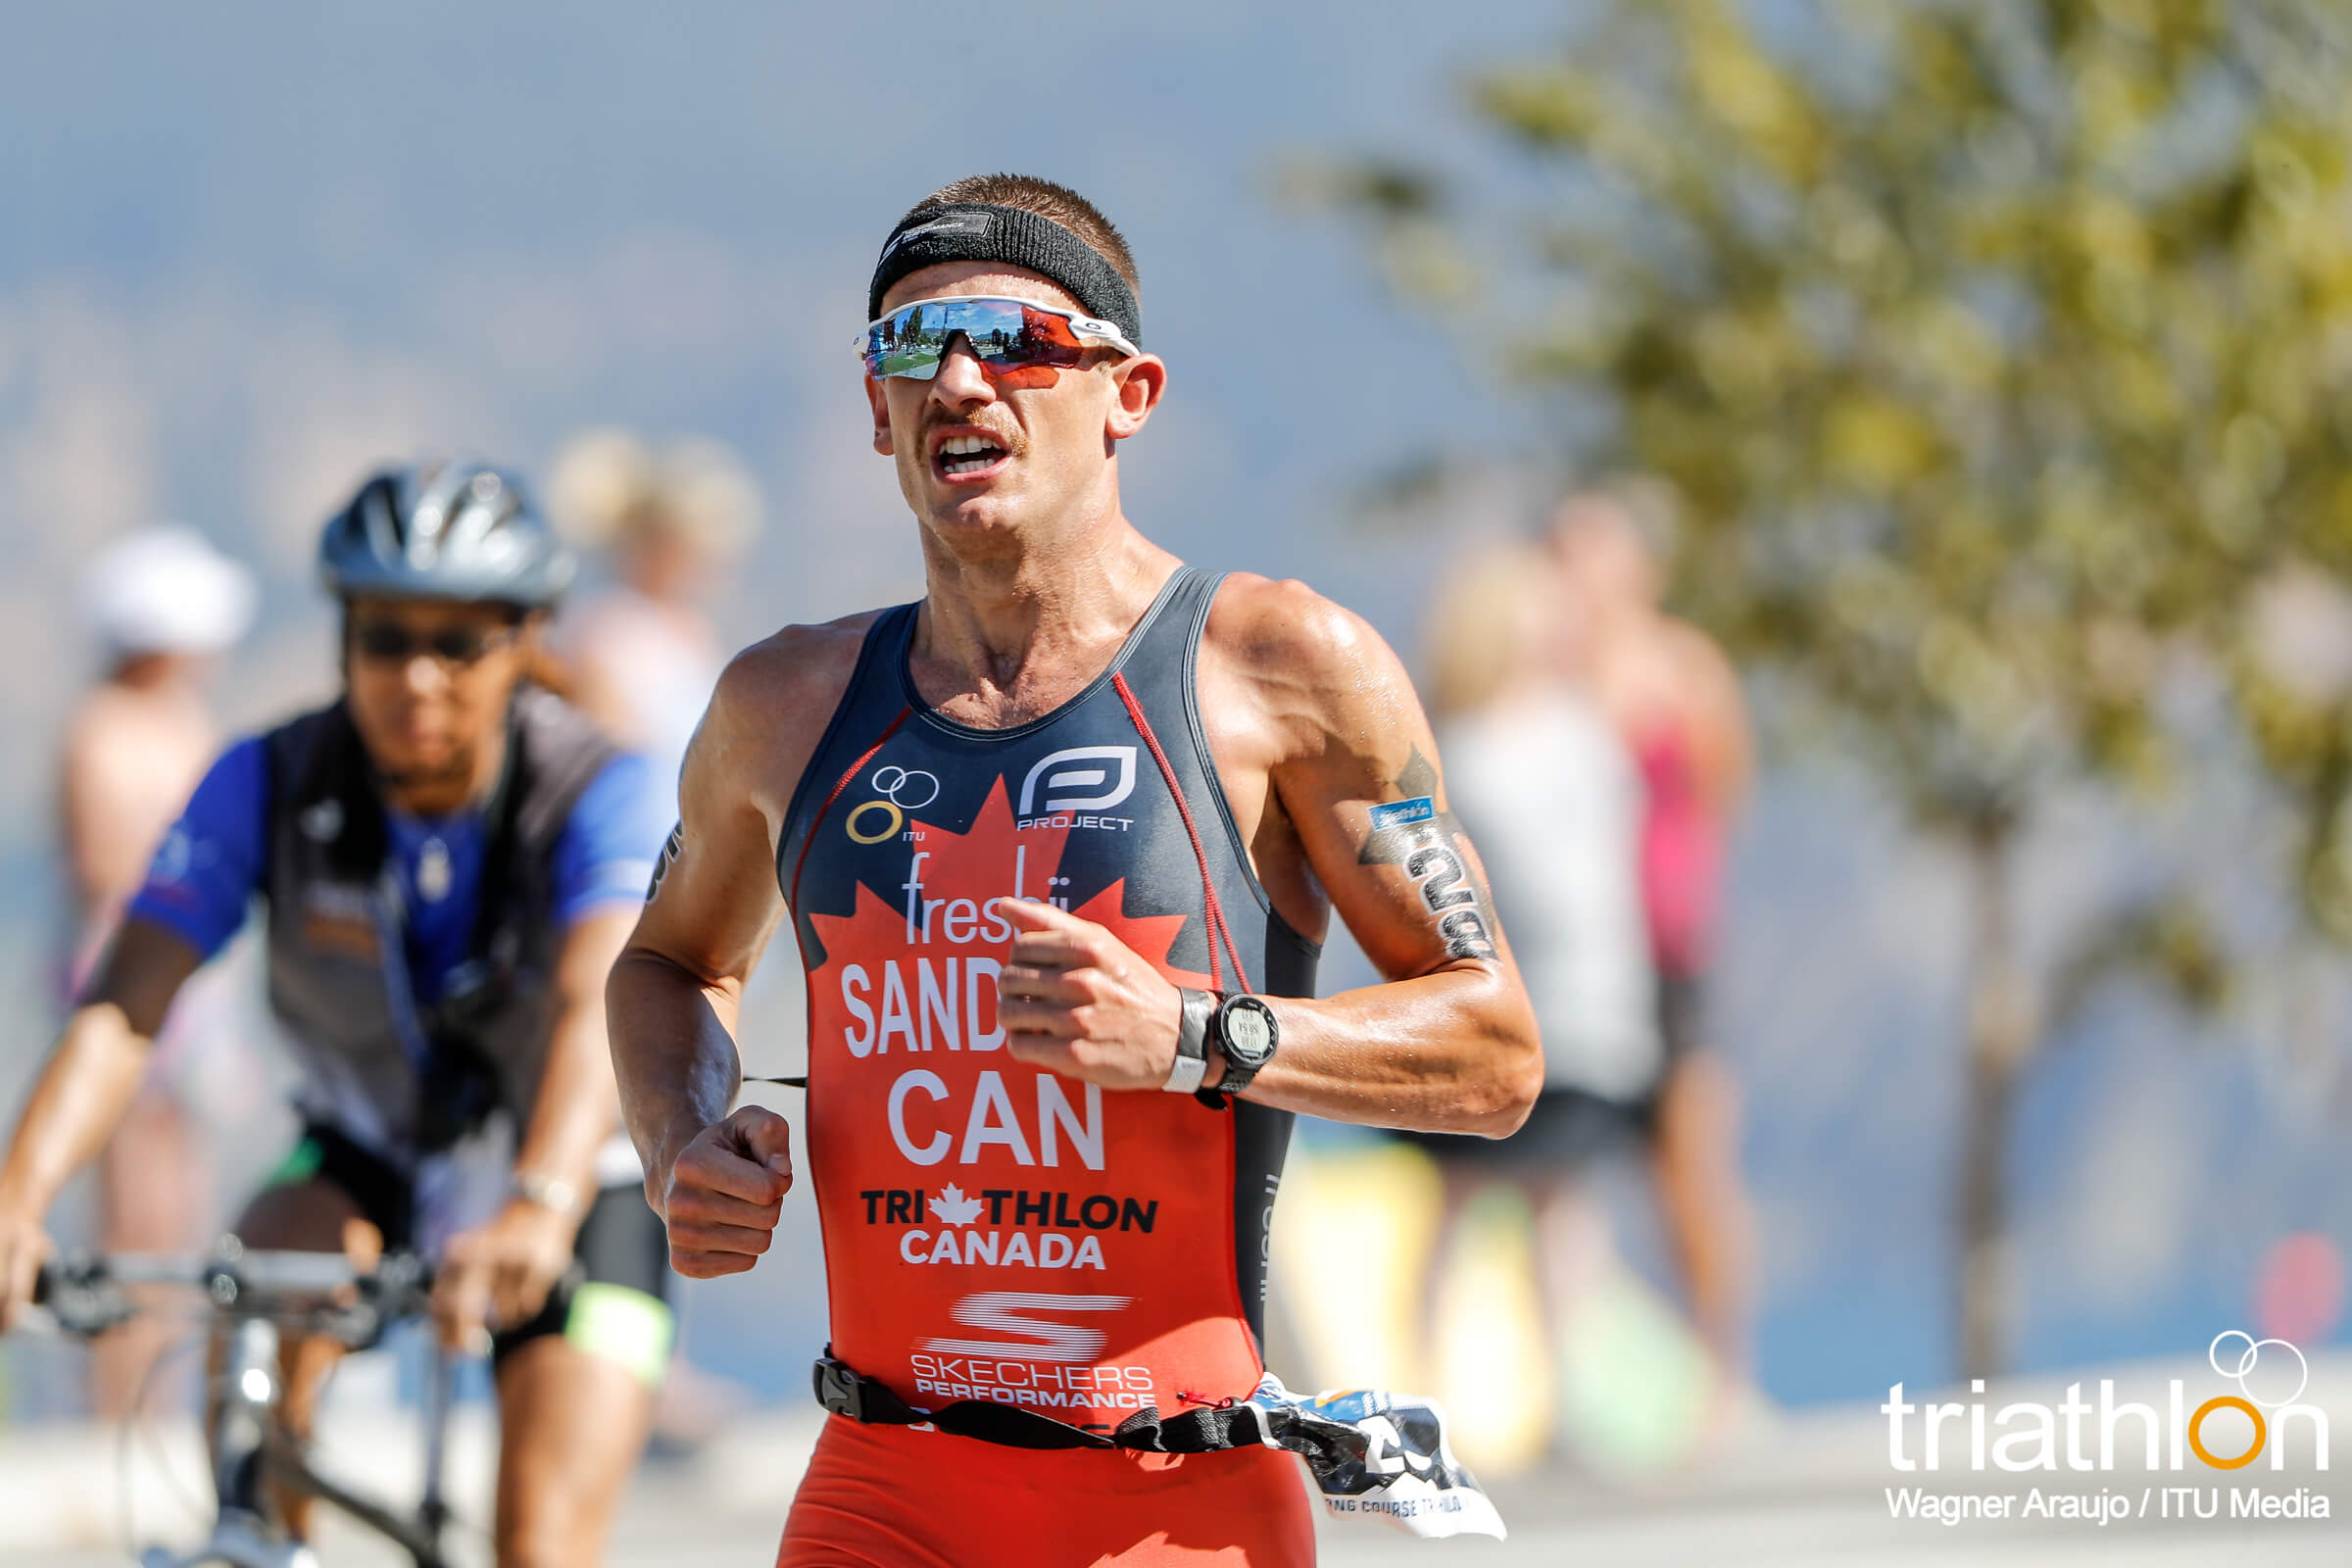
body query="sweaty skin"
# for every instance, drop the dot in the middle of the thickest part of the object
(1035, 577)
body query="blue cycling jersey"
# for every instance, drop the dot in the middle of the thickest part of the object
(210, 864)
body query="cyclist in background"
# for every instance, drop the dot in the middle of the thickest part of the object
(164, 604)
(449, 859)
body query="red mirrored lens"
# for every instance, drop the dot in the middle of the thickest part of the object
(1004, 335)
(1042, 338)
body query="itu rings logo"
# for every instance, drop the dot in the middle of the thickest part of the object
(2238, 1366)
(901, 790)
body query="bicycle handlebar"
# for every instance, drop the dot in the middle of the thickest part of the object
(86, 1296)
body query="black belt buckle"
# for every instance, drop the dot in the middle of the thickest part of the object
(839, 1389)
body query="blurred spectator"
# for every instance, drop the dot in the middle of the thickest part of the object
(163, 604)
(641, 660)
(1550, 794)
(1674, 699)
(643, 656)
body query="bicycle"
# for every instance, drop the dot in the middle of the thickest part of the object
(254, 1298)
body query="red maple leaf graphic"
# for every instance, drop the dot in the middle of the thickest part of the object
(953, 876)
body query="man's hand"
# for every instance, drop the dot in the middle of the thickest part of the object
(497, 1274)
(24, 1248)
(1076, 1001)
(725, 1192)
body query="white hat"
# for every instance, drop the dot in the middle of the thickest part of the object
(164, 589)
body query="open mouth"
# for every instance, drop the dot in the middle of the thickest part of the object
(964, 457)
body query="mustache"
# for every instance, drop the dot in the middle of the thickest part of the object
(1004, 432)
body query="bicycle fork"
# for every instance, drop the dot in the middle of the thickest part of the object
(439, 1389)
(248, 1391)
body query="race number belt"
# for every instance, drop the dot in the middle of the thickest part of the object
(1375, 1457)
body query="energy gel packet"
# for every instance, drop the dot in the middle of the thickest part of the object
(1378, 1456)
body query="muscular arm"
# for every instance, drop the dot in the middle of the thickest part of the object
(1316, 728)
(83, 1093)
(1448, 1041)
(676, 992)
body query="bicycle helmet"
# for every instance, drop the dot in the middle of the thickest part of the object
(445, 530)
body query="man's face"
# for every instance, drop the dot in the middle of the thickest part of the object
(1045, 437)
(429, 682)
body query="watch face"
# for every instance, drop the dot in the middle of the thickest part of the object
(1248, 1032)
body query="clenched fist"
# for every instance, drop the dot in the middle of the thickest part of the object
(725, 1191)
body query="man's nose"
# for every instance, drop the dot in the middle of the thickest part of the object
(961, 380)
(424, 676)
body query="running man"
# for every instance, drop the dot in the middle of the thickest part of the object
(1058, 843)
(450, 862)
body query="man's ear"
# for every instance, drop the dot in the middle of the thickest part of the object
(1137, 384)
(879, 402)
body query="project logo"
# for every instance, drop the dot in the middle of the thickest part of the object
(1069, 770)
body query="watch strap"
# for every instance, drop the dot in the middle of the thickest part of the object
(1197, 1011)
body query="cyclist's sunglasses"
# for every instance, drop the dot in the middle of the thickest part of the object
(389, 642)
(1004, 335)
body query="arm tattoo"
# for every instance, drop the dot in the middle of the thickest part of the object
(1429, 844)
(668, 859)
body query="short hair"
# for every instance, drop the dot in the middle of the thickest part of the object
(1046, 199)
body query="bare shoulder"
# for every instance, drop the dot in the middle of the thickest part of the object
(1319, 666)
(773, 701)
(796, 668)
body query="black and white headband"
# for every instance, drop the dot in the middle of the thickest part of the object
(976, 231)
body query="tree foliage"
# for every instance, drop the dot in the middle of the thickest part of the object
(1999, 353)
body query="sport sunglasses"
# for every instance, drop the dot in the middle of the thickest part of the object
(1004, 335)
(389, 642)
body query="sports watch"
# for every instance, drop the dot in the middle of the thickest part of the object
(1244, 1029)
